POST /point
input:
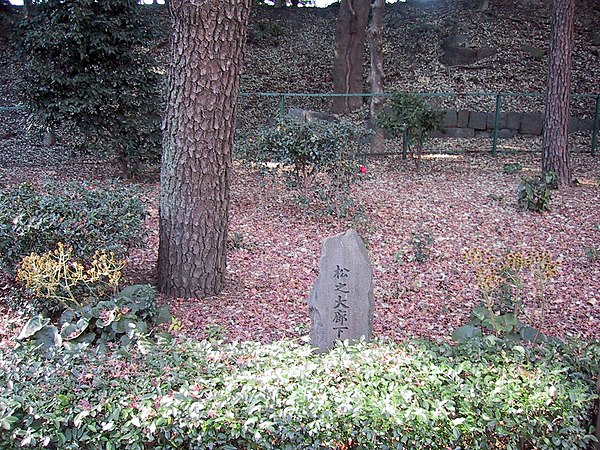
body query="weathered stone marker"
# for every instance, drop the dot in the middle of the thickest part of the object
(341, 302)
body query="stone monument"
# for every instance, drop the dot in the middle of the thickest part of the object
(341, 302)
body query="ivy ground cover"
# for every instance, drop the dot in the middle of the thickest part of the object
(486, 394)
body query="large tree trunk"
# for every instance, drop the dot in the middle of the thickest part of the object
(350, 30)
(555, 141)
(376, 76)
(204, 76)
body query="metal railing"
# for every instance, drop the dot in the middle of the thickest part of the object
(497, 96)
(11, 108)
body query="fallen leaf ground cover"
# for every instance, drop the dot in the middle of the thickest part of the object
(461, 203)
(454, 202)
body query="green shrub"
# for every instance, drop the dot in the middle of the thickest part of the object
(510, 168)
(411, 116)
(120, 319)
(592, 254)
(486, 394)
(504, 283)
(420, 248)
(86, 67)
(265, 32)
(319, 158)
(77, 214)
(535, 194)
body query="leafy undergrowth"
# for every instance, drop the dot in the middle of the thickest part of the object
(486, 394)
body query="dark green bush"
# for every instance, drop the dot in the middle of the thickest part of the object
(486, 394)
(411, 116)
(535, 194)
(86, 66)
(514, 167)
(321, 158)
(265, 32)
(76, 214)
(420, 248)
(309, 147)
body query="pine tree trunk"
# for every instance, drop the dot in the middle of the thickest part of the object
(350, 30)
(204, 76)
(376, 76)
(555, 141)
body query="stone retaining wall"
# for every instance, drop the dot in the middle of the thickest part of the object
(468, 124)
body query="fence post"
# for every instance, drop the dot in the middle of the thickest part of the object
(597, 444)
(282, 106)
(596, 126)
(496, 123)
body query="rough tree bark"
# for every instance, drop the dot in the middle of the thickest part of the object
(555, 140)
(376, 75)
(350, 30)
(204, 76)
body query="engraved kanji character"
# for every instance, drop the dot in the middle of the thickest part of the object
(340, 272)
(339, 287)
(340, 302)
(340, 317)
(340, 330)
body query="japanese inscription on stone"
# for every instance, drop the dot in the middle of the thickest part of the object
(341, 302)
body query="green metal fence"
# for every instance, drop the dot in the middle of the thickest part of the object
(283, 97)
(11, 108)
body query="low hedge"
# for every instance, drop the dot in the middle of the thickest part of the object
(85, 217)
(183, 394)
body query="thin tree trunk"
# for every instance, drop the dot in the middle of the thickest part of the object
(376, 75)
(204, 76)
(484, 5)
(555, 141)
(597, 444)
(350, 30)
(28, 7)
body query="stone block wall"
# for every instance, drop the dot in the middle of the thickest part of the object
(467, 124)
